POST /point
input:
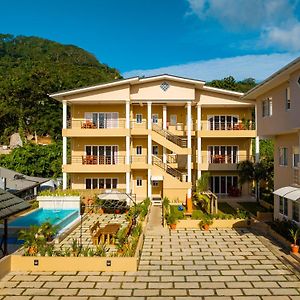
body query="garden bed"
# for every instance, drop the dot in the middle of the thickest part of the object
(217, 223)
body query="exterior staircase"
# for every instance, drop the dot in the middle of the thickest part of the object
(167, 168)
(174, 143)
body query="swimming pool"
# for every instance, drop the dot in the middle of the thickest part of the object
(60, 218)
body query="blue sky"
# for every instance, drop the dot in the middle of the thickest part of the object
(204, 39)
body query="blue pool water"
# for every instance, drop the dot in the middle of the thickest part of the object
(61, 218)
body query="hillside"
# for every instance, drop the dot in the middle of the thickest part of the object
(31, 68)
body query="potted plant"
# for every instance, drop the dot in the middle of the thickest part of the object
(171, 220)
(205, 222)
(295, 235)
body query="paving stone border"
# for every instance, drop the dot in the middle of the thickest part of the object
(184, 264)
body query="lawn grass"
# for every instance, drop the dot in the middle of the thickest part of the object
(225, 208)
(253, 207)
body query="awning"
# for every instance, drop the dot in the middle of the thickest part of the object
(157, 178)
(289, 192)
(282, 192)
(294, 196)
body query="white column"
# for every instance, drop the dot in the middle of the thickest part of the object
(165, 128)
(189, 144)
(257, 149)
(149, 151)
(65, 141)
(127, 182)
(199, 141)
(65, 114)
(165, 117)
(127, 140)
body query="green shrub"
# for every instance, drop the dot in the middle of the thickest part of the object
(197, 214)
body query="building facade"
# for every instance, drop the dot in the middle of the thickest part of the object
(153, 137)
(278, 117)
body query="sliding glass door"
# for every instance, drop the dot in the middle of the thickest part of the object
(103, 155)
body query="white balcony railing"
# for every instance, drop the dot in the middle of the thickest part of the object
(98, 160)
(88, 124)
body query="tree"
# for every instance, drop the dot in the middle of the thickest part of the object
(30, 69)
(35, 160)
(254, 172)
(229, 83)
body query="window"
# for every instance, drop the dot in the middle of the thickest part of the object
(224, 122)
(155, 183)
(296, 157)
(102, 119)
(285, 206)
(173, 120)
(155, 118)
(139, 118)
(296, 160)
(139, 181)
(223, 184)
(155, 150)
(287, 98)
(139, 150)
(103, 155)
(296, 208)
(267, 108)
(101, 183)
(223, 154)
(281, 205)
(283, 157)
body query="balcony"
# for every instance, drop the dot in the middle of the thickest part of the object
(87, 128)
(223, 129)
(139, 162)
(139, 128)
(223, 162)
(296, 177)
(96, 164)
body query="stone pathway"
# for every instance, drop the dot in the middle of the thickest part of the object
(184, 264)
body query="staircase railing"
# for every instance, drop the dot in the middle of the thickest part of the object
(173, 172)
(182, 142)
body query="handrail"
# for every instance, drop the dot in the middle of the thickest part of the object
(182, 142)
(173, 172)
(89, 124)
(206, 125)
(98, 160)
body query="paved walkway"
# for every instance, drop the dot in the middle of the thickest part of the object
(184, 264)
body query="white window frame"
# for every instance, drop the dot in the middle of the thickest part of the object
(139, 147)
(111, 119)
(219, 179)
(139, 181)
(287, 98)
(267, 107)
(213, 153)
(98, 181)
(297, 206)
(173, 117)
(116, 155)
(283, 156)
(138, 118)
(295, 157)
(154, 118)
(219, 123)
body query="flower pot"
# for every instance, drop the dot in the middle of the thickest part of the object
(206, 227)
(294, 248)
(173, 226)
(117, 211)
(100, 211)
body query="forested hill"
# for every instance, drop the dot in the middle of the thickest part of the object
(31, 68)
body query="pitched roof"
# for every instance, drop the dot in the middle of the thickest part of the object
(17, 182)
(11, 204)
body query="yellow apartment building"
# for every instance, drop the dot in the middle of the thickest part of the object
(278, 117)
(153, 137)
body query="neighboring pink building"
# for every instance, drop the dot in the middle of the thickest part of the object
(278, 117)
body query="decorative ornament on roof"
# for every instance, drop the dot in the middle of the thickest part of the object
(164, 86)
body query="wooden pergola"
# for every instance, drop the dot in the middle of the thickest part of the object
(9, 206)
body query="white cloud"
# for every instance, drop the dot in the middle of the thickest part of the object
(274, 19)
(240, 67)
(284, 38)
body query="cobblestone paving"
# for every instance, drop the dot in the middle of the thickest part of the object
(191, 264)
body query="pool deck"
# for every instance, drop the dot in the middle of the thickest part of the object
(89, 220)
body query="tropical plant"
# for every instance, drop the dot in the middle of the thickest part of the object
(294, 233)
(171, 219)
(101, 250)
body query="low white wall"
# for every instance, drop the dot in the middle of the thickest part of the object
(59, 202)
